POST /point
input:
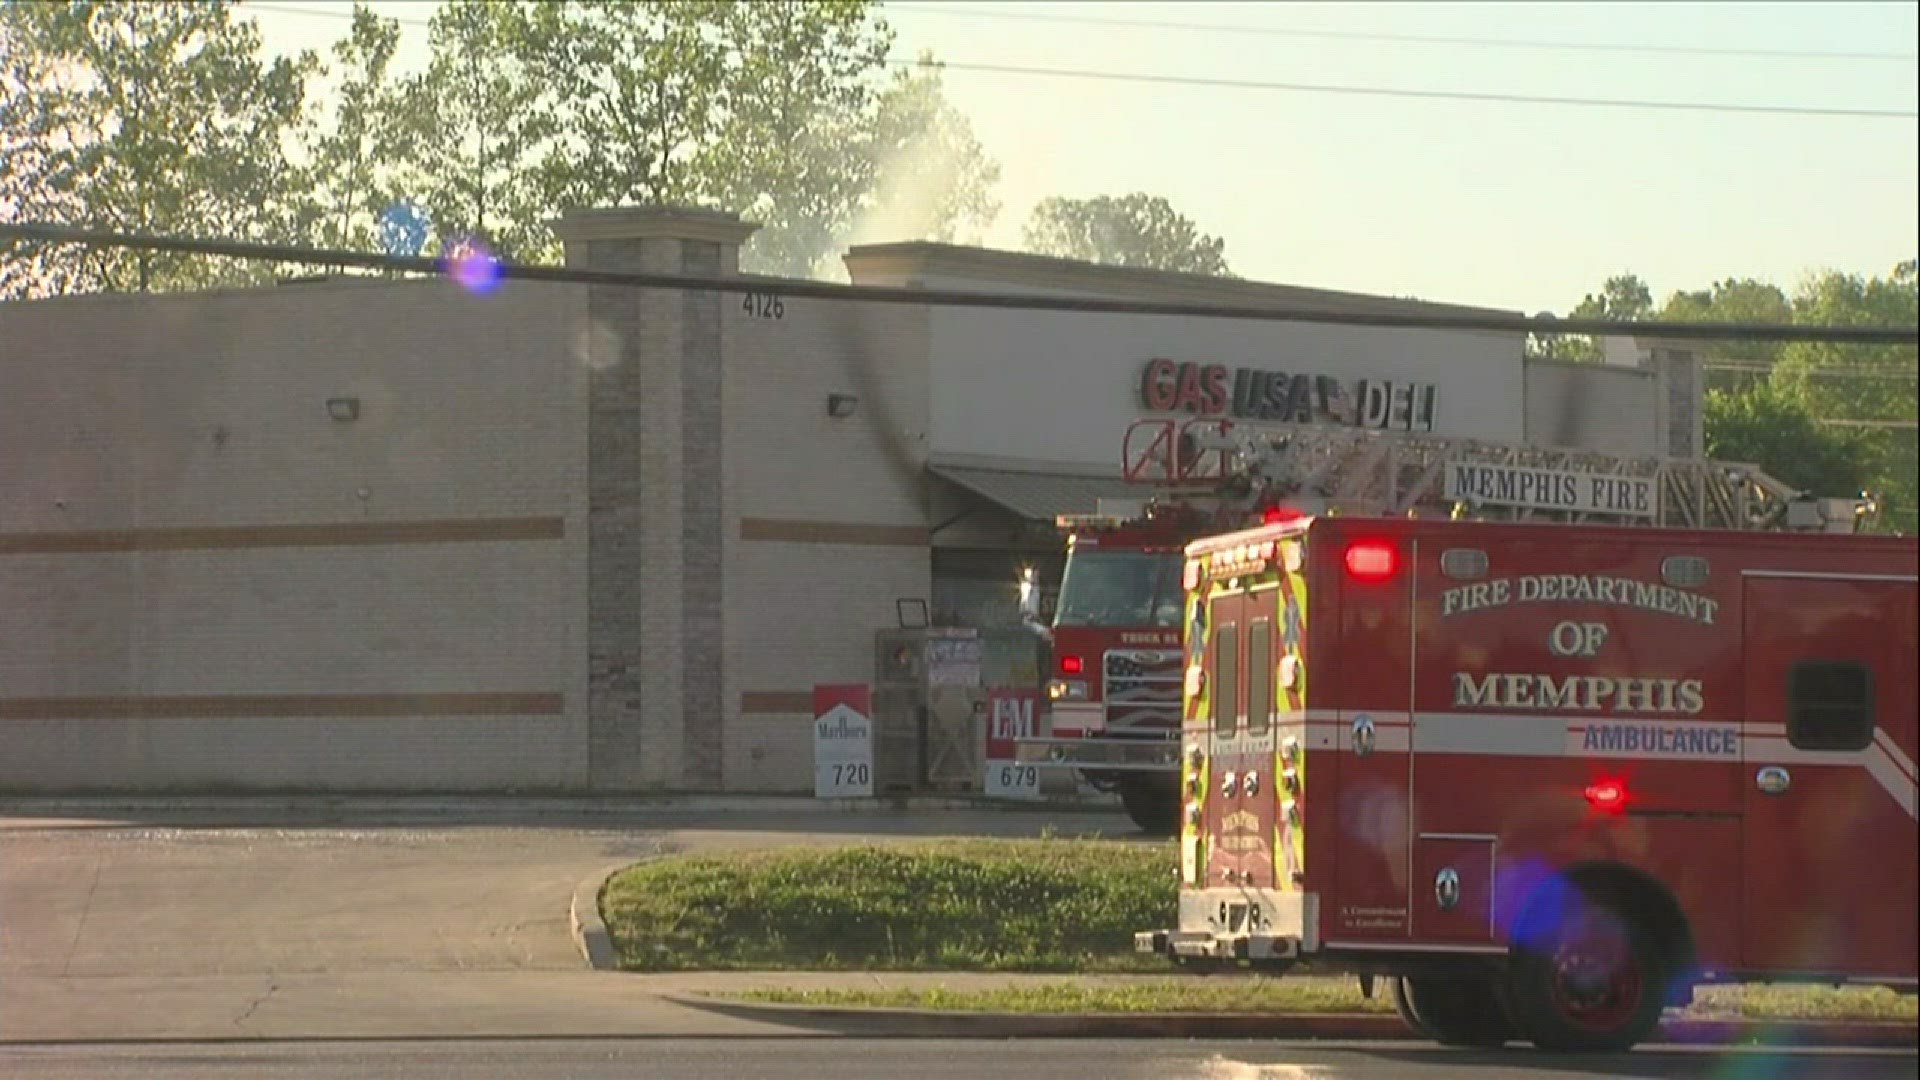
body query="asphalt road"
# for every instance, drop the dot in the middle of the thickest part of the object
(341, 921)
(836, 1059)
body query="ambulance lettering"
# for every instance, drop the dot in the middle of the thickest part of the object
(1587, 693)
(1690, 740)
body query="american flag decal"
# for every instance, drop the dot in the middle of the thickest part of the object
(1142, 688)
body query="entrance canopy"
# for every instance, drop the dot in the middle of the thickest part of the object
(1039, 496)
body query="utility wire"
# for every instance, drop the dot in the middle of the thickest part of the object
(1429, 95)
(994, 11)
(1483, 97)
(1437, 320)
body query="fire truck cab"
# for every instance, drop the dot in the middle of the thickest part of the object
(1547, 778)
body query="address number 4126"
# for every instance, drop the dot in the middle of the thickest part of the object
(763, 306)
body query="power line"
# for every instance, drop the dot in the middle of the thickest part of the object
(995, 12)
(1337, 89)
(286, 253)
(1427, 95)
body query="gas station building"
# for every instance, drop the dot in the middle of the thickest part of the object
(373, 535)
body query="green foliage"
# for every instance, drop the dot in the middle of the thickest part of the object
(163, 118)
(1137, 230)
(1822, 417)
(1624, 298)
(1052, 905)
(774, 110)
(353, 151)
(1252, 994)
(476, 130)
(1311, 994)
(142, 117)
(1767, 426)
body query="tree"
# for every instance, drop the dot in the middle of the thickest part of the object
(1137, 230)
(931, 179)
(351, 153)
(1735, 300)
(477, 131)
(1624, 298)
(804, 95)
(1867, 384)
(776, 111)
(1767, 426)
(140, 117)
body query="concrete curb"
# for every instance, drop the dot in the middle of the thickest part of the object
(931, 1024)
(583, 919)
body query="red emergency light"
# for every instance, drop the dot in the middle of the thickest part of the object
(1071, 665)
(1607, 796)
(1278, 515)
(1371, 560)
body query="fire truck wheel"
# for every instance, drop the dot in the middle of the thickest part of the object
(1454, 1011)
(1591, 980)
(1153, 807)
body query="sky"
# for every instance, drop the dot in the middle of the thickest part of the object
(1519, 206)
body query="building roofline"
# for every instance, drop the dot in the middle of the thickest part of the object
(913, 261)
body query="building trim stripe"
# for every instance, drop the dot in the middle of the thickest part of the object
(281, 706)
(776, 701)
(325, 534)
(833, 532)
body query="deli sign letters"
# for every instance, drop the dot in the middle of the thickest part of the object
(1263, 394)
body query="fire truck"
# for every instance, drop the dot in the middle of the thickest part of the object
(1113, 685)
(1548, 778)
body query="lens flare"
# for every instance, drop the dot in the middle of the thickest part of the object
(472, 266)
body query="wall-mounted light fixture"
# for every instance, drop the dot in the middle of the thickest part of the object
(841, 406)
(343, 408)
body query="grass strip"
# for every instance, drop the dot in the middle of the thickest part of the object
(1258, 995)
(1050, 905)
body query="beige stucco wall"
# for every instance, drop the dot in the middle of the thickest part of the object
(826, 517)
(167, 623)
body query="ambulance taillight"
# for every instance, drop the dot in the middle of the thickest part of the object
(1371, 560)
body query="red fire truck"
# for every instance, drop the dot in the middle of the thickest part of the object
(1113, 683)
(1546, 779)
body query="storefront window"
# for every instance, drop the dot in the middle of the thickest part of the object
(1120, 588)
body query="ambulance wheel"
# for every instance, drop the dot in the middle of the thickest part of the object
(1589, 980)
(1153, 806)
(1403, 1004)
(1454, 1011)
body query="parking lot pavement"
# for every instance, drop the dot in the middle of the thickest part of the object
(157, 922)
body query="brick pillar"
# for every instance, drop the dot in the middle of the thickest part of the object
(654, 496)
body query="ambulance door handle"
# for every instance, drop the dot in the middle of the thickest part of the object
(1773, 780)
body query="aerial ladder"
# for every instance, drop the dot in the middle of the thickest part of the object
(1319, 469)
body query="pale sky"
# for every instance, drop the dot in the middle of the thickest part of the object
(1520, 206)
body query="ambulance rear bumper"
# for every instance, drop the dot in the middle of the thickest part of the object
(1237, 924)
(1207, 945)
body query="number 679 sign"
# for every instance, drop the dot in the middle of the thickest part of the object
(1011, 715)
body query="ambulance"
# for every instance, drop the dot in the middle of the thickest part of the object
(1546, 779)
